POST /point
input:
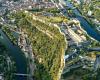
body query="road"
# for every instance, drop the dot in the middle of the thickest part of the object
(94, 49)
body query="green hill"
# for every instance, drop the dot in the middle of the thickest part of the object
(48, 45)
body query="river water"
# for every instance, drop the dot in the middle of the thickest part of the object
(17, 54)
(84, 23)
(87, 27)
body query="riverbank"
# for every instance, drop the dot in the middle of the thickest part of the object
(88, 18)
(9, 34)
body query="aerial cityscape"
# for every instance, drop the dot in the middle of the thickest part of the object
(49, 39)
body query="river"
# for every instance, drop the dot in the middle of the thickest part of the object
(17, 54)
(84, 23)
